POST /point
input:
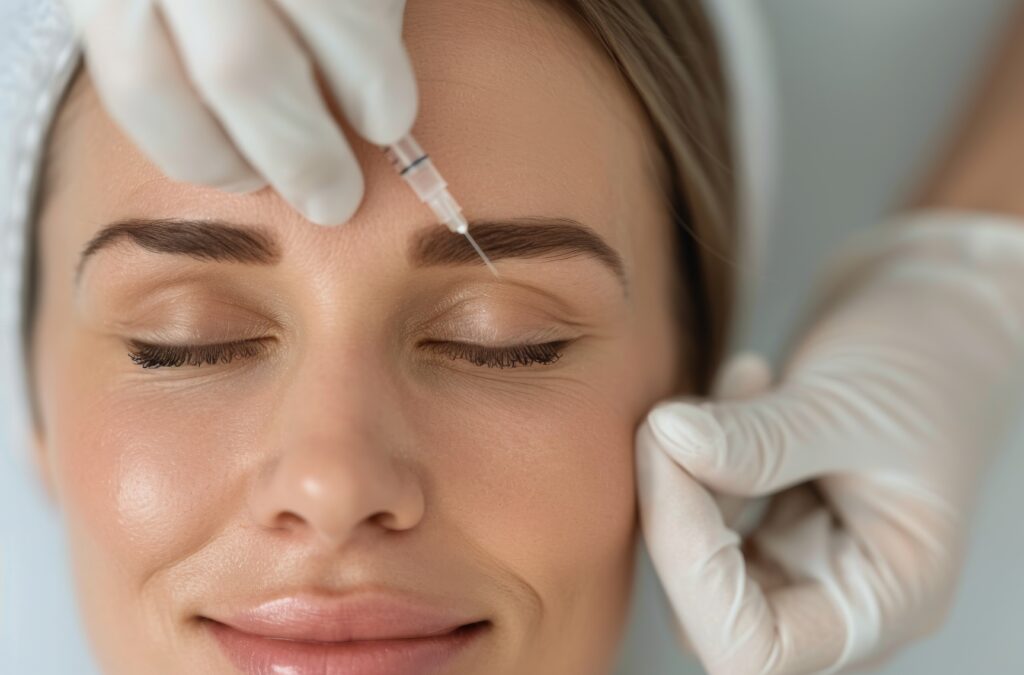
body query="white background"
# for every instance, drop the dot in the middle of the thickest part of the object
(868, 87)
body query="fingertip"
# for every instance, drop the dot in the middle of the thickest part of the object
(744, 375)
(245, 185)
(221, 168)
(332, 206)
(689, 433)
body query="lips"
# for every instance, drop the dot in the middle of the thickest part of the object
(370, 633)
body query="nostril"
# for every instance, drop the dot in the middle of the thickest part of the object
(334, 490)
(287, 520)
(386, 519)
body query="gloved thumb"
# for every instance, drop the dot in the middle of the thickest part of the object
(767, 441)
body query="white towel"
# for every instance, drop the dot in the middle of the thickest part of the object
(38, 54)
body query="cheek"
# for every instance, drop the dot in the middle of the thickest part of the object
(146, 476)
(541, 477)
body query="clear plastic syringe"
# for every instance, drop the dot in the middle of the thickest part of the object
(416, 169)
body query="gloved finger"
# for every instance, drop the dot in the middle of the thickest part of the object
(781, 511)
(733, 508)
(744, 375)
(768, 574)
(884, 547)
(775, 440)
(144, 89)
(358, 46)
(885, 553)
(914, 542)
(733, 625)
(806, 541)
(261, 84)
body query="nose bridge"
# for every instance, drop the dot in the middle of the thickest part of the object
(336, 465)
(338, 385)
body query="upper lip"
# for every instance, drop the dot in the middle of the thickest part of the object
(366, 615)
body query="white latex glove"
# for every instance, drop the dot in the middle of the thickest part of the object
(891, 404)
(224, 92)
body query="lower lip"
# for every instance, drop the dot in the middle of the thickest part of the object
(256, 655)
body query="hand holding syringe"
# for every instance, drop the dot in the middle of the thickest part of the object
(145, 78)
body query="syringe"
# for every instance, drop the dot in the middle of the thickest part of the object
(415, 167)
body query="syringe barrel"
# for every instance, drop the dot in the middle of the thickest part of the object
(404, 152)
(416, 169)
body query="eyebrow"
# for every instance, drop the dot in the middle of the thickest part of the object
(530, 237)
(201, 239)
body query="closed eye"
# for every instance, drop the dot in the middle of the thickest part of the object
(149, 355)
(512, 356)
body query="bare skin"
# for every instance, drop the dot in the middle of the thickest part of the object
(360, 448)
(983, 167)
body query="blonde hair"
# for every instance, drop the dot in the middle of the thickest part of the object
(665, 50)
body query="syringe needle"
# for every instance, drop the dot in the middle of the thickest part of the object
(419, 173)
(480, 252)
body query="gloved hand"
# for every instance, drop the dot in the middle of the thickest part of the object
(224, 93)
(891, 404)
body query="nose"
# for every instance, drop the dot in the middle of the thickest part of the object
(337, 470)
(334, 491)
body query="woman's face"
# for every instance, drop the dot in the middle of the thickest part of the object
(360, 448)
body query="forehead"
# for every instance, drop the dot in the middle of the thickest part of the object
(515, 94)
(521, 111)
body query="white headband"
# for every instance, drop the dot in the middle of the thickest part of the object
(38, 54)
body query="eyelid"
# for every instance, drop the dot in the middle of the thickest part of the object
(184, 308)
(485, 311)
(487, 335)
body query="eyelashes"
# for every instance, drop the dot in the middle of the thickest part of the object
(515, 356)
(147, 355)
(174, 356)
